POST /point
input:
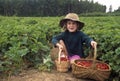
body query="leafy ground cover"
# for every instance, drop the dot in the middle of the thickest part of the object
(26, 42)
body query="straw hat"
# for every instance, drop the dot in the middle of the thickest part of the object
(73, 17)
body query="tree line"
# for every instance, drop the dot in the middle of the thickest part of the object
(48, 7)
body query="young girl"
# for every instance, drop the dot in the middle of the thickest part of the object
(72, 39)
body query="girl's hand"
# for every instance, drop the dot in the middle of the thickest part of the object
(93, 44)
(59, 46)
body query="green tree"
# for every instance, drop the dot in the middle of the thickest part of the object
(118, 10)
(48, 7)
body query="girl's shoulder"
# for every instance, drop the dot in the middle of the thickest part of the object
(81, 33)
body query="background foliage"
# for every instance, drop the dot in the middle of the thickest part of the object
(48, 7)
(25, 42)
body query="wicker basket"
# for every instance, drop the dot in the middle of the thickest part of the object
(62, 66)
(91, 72)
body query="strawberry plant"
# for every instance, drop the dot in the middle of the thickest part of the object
(25, 41)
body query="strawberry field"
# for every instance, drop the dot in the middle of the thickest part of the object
(26, 42)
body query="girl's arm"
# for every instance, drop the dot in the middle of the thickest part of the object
(56, 39)
(93, 44)
(89, 41)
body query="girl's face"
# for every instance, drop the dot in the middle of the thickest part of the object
(72, 26)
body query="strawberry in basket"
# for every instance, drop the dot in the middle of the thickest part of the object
(84, 63)
(63, 57)
(102, 66)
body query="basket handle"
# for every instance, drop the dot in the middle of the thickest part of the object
(95, 52)
(95, 56)
(59, 53)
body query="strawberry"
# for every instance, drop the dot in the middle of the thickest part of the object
(63, 59)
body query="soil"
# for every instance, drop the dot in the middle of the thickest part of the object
(35, 75)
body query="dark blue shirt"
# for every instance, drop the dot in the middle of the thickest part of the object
(73, 41)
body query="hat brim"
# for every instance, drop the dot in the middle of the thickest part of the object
(63, 21)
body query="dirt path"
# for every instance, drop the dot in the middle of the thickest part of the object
(34, 75)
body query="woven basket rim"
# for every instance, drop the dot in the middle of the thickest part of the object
(62, 61)
(74, 63)
(97, 61)
(67, 63)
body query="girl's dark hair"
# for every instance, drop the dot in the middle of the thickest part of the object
(65, 25)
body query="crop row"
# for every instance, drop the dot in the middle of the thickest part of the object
(26, 41)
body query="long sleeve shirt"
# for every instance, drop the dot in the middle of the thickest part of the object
(73, 42)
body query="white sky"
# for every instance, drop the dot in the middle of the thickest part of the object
(115, 3)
